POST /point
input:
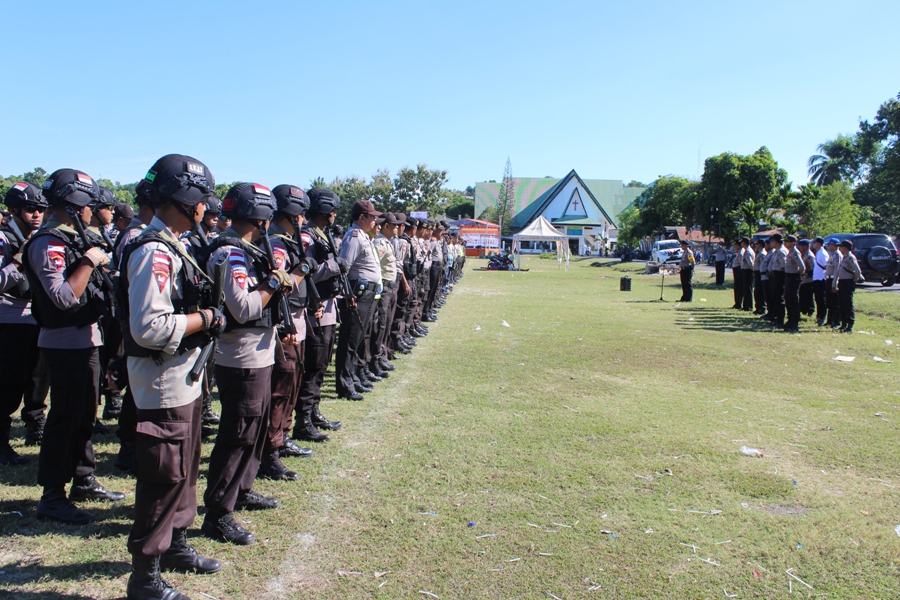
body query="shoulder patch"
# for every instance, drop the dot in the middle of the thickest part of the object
(56, 253)
(162, 268)
(305, 240)
(238, 265)
(280, 253)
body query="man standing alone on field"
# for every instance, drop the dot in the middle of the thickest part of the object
(687, 272)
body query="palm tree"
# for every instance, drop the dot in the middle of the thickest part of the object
(837, 160)
(751, 213)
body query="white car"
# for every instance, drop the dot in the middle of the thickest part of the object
(666, 251)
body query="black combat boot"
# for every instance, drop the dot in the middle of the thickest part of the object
(183, 557)
(291, 449)
(225, 529)
(271, 467)
(208, 416)
(369, 374)
(250, 500)
(321, 422)
(307, 432)
(54, 506)
(385, 365)
(145, 582)
(375, 368)
(90, 489)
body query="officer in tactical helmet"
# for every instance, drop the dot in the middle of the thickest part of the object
(22, 372)
(253, 290)
(170, 317)
(68, 303)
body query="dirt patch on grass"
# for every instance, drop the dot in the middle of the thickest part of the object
(785, 510)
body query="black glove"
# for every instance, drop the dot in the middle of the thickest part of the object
(218, 322)
(343, 264)
(312, 264)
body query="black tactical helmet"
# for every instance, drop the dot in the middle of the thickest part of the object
(291, 200)
(25, 194)
(106, 199)
(323, 201)
(180, 178)
(250, 201)
(213, 206)
(337, 230)
(68, 186)
(142, 193)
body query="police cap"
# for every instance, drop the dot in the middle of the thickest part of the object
(180, 179)
(25, 194)
(290, 200)
(70, 186)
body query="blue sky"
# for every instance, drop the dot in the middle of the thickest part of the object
(282, 92)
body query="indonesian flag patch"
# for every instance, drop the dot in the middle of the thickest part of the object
(279, 253)
(162, 268)
(22, 186)
(305, 241)
(56, 253)
(238, 268)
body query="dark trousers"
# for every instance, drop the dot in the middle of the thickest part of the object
(738, 288)
(383, 319)
(792, 299)
(354, 325)
(833, 302)
(807, 300)
(167, 463)
(246, 396)
(24, 375)
(720, 272)
(411, 303)
(434, 284)
(687, 285)
(127, 419)
(111, 349)
(285, 382)
(391, 317)
(820, 294)
(422, 294)
(759, 292)
(846, 287)
(747, 280)
(401, 309)
(776, 300)
(66, 450)
(316, 356)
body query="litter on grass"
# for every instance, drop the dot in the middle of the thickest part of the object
(505, 324)
(797, 578)
(889, 342)
(427, 593)
(897, 529)
(845, 358)
(879, 359)
(751, 451)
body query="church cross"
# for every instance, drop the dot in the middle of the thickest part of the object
(575, 204)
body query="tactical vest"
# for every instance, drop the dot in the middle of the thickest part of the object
(195, 288)
(260, 262)
(14, 243)
(121, 237)
(91, 305)
(320, 250)
(410, 268)
(299, 300)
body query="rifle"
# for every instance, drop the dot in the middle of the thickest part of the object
(218, 298)
(283, 307)
(312, 292)
(106, 284)
(346, 290)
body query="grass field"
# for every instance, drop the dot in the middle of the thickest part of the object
(591, 449)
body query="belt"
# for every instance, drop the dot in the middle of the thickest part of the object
(389, 285)
(370, 286)
(792, 274)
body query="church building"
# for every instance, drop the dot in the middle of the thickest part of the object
(585, 210)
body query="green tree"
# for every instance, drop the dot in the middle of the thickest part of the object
(662, 204)
(833, 210)
(880, 150)
(506, 199)
(36, 177)
(837, 160)
(419, 189)
(630, 225)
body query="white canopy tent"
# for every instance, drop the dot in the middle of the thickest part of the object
(540, 230)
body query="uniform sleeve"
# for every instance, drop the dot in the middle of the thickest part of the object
(10, 276)
(152, 271)
(243, 304)
(126, 236)
(351, 247)
(47, 257)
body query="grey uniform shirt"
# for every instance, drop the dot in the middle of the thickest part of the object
(778, 258)
(758, 260)
(154, 281)
(401, 252)
(793, 263)
(747, 259)
(47, 256)
(358, 252)
(809, 263)
(764, 263)
(131, 232)
(437, 253)
(384, 250)
(245, 347)
(326, 271)
(738, 259)
(834, 260)
(425, 253)
(848, 268)
(721, 254)
(13, 310)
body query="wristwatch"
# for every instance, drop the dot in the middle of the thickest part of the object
(273, 282)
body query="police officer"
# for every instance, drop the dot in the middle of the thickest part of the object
(404, 340)
(244, 366)
(794, 268)
(776, 281)
(390, 270)
(721, 256)
(67, 303)
(820, 286)
(292, 203)
(22, 372)
(356, 310)
(122, 216)
(765, 278)
(170, 316)
(833, 300)
(847, 276)
(736, 272)
(807, 292)
(759, 291)
(748, 256)
(434, 275)
(402, 252)
(316, 239)
(686, 264)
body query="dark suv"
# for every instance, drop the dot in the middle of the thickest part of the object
(876, 253)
